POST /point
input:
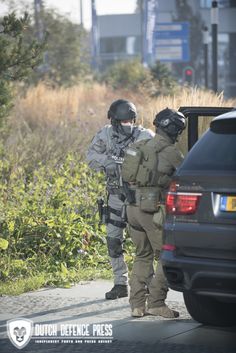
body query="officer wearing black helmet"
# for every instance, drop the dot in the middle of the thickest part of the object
(148, 167)
(106, 153)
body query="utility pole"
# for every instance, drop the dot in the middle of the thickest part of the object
(38, 7)
(214, 29)
(143, 20)
(39, 25)
(95, 38)
(205, 43)
(81, 14)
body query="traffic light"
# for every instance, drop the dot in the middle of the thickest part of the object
(188, 75)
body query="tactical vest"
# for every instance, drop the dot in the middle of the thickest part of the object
(140, 168)
(117, 145)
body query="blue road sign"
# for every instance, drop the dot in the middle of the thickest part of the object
(171, 42)
(171, 30)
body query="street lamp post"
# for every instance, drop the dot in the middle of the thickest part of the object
(205, 43)
(214, 29)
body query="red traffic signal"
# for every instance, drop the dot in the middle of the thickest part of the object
(188, 74)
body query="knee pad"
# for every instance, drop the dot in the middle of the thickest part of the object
(115, 248)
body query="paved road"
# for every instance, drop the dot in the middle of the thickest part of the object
(84, 305)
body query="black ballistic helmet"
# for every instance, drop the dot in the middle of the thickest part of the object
(122, 110)
(171, 122)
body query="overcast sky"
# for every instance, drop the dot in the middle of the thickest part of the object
(71, 8)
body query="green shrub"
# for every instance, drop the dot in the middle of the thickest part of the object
(128, 75)
(132, 75)
(162, 81)
(50, 221)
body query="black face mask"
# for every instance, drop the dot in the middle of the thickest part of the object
(125, 130)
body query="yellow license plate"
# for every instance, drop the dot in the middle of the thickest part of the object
(228, 203)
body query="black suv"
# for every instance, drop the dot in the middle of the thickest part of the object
(199, 245)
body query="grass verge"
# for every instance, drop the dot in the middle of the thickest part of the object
(35, 282)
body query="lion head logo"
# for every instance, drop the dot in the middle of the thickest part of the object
(20, 332)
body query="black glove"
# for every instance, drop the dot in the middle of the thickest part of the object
(110, 169)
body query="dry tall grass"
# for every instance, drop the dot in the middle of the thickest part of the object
(47, 122)
(89, 104)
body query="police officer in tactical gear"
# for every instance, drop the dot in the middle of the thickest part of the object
(106, 153)
(157, 160)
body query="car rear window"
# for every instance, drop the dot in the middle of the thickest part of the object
(214, 151)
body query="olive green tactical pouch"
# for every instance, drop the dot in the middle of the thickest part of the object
(131, 164)
(148, 169)
(148, 199)
(159, 217)
(143, 176)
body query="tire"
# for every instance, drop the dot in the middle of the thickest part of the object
(210, 311)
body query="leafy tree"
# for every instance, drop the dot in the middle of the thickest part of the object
(139, 4)
(67, 53)
(162, 80)
(17, 58)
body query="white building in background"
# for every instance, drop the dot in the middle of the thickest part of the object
(120, 38)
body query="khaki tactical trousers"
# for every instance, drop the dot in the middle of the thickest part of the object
(147, 237)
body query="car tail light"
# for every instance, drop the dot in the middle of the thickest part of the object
(168, 247)
(178, 203)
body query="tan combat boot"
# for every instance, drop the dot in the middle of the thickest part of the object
(163, 311)
(138, 312)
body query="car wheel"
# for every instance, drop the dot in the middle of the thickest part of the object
(210, 311)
